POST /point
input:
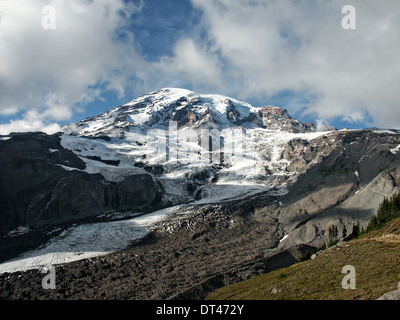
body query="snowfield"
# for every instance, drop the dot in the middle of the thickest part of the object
(143, 131)
(87, 241)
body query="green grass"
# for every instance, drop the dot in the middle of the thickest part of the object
(375, 256)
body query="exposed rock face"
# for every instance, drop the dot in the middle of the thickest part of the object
(276, 118)
(343, 178)
(37, 191)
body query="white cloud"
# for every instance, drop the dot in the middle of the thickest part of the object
(49, 71)
(191, 62)
(32, 121)
(301, 46)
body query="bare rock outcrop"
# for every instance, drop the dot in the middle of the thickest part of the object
(44, 184)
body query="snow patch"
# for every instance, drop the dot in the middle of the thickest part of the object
(68, 168)
(86, 149)
(284, 238)
(19, 231)
(395, 150)
(384, 131)
(140, 118)
(87, 241)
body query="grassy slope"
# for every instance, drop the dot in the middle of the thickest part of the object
(375, 256)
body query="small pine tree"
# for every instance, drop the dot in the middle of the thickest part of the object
(332, 235)
(344, 231)
(373, 223)
(383, 211)
(355, 231)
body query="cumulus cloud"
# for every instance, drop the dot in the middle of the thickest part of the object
(272, 46)
(191, 63)
(31, 121)
(50, 71)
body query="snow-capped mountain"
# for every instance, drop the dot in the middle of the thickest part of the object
(225, 183)
(159, 142)
(178, 136)
(188, 109)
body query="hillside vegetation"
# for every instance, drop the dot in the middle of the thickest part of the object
(375, 255)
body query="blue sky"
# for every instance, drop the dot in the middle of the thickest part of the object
(161, 23)
(290, 53)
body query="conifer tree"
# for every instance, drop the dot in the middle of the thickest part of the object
(344, 231)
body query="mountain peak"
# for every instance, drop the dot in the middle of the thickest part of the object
(188, 109)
